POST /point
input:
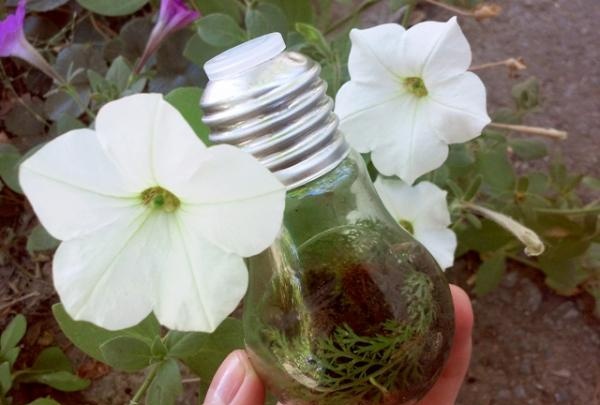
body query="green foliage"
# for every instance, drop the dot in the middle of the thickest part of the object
(39, 239)
(51, 367)
(187, 102)
(9, 170)
(220, 30)
(166, 386)
(490, 274)
(265, 18)
(89, 338)
(112, 8)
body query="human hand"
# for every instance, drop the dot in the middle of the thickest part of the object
(236, 382)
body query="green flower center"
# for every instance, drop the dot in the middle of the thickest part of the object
(159, 198)
(416, 86)
(407, 225)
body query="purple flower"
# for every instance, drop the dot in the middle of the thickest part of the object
(14, 43)
(173, 16)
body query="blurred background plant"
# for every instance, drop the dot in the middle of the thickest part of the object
(100, 52)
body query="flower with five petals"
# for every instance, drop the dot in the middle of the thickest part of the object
(410, 96)
(423, 211)
(150, 219)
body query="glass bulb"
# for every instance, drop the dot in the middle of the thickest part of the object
(346, 307)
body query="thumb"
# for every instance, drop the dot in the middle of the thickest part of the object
(235, 383)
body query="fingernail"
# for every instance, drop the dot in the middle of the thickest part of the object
(227, 381)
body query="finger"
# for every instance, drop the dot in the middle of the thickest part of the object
(235, 383)
(445, 390)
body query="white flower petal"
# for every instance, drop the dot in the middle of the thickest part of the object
(234, 201)
(375, 54)
(369, 114)
(435, 51)
(201, 284)
(424, 205)
(441, 243)
(73, 187)
(414, 151)
(148, 139)
(457, 108)
(104, 278)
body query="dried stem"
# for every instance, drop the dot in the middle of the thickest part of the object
(481, 12)
(511, 63)
(548, 132)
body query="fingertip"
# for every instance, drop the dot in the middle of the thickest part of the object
(463, 314)
(235, 383)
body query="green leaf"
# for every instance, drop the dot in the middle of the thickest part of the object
(159, 349)
(113, 8)
(13, 333)
(40, 239)
(53, 368)
(230, 7)
(88, 337)
(9, 167)
(473, 188)
(5, 378)
(264, 19)
(528, 149)
(11, 355)
(314, 37)
(44, 401)
(526, 94)
(52, 359)
(296, 11)
(60, 380)
(199, 51)
(166, 386)
(490, 274)
(133, 37)
(187, 101)
(220, 30)
(127, 353)
(489, 237)
(44, 5)
(228, 337)
(65, 124)
(21, 121)
(185, 344)
(506, 116)
(118, 74)
(496, 169)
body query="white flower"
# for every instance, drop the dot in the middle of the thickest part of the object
(150, 218)
(410, 95)
(422, 210)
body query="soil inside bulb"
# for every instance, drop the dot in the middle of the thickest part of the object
(369, 322)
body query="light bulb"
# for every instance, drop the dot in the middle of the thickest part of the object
(346, 307)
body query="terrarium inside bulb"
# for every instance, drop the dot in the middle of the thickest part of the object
(346, 308)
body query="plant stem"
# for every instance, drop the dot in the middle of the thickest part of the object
(407, 14)
(7, 82)
(144, 387)
(549, 132)
(574, 211)
(510, 63)
(365, 5)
